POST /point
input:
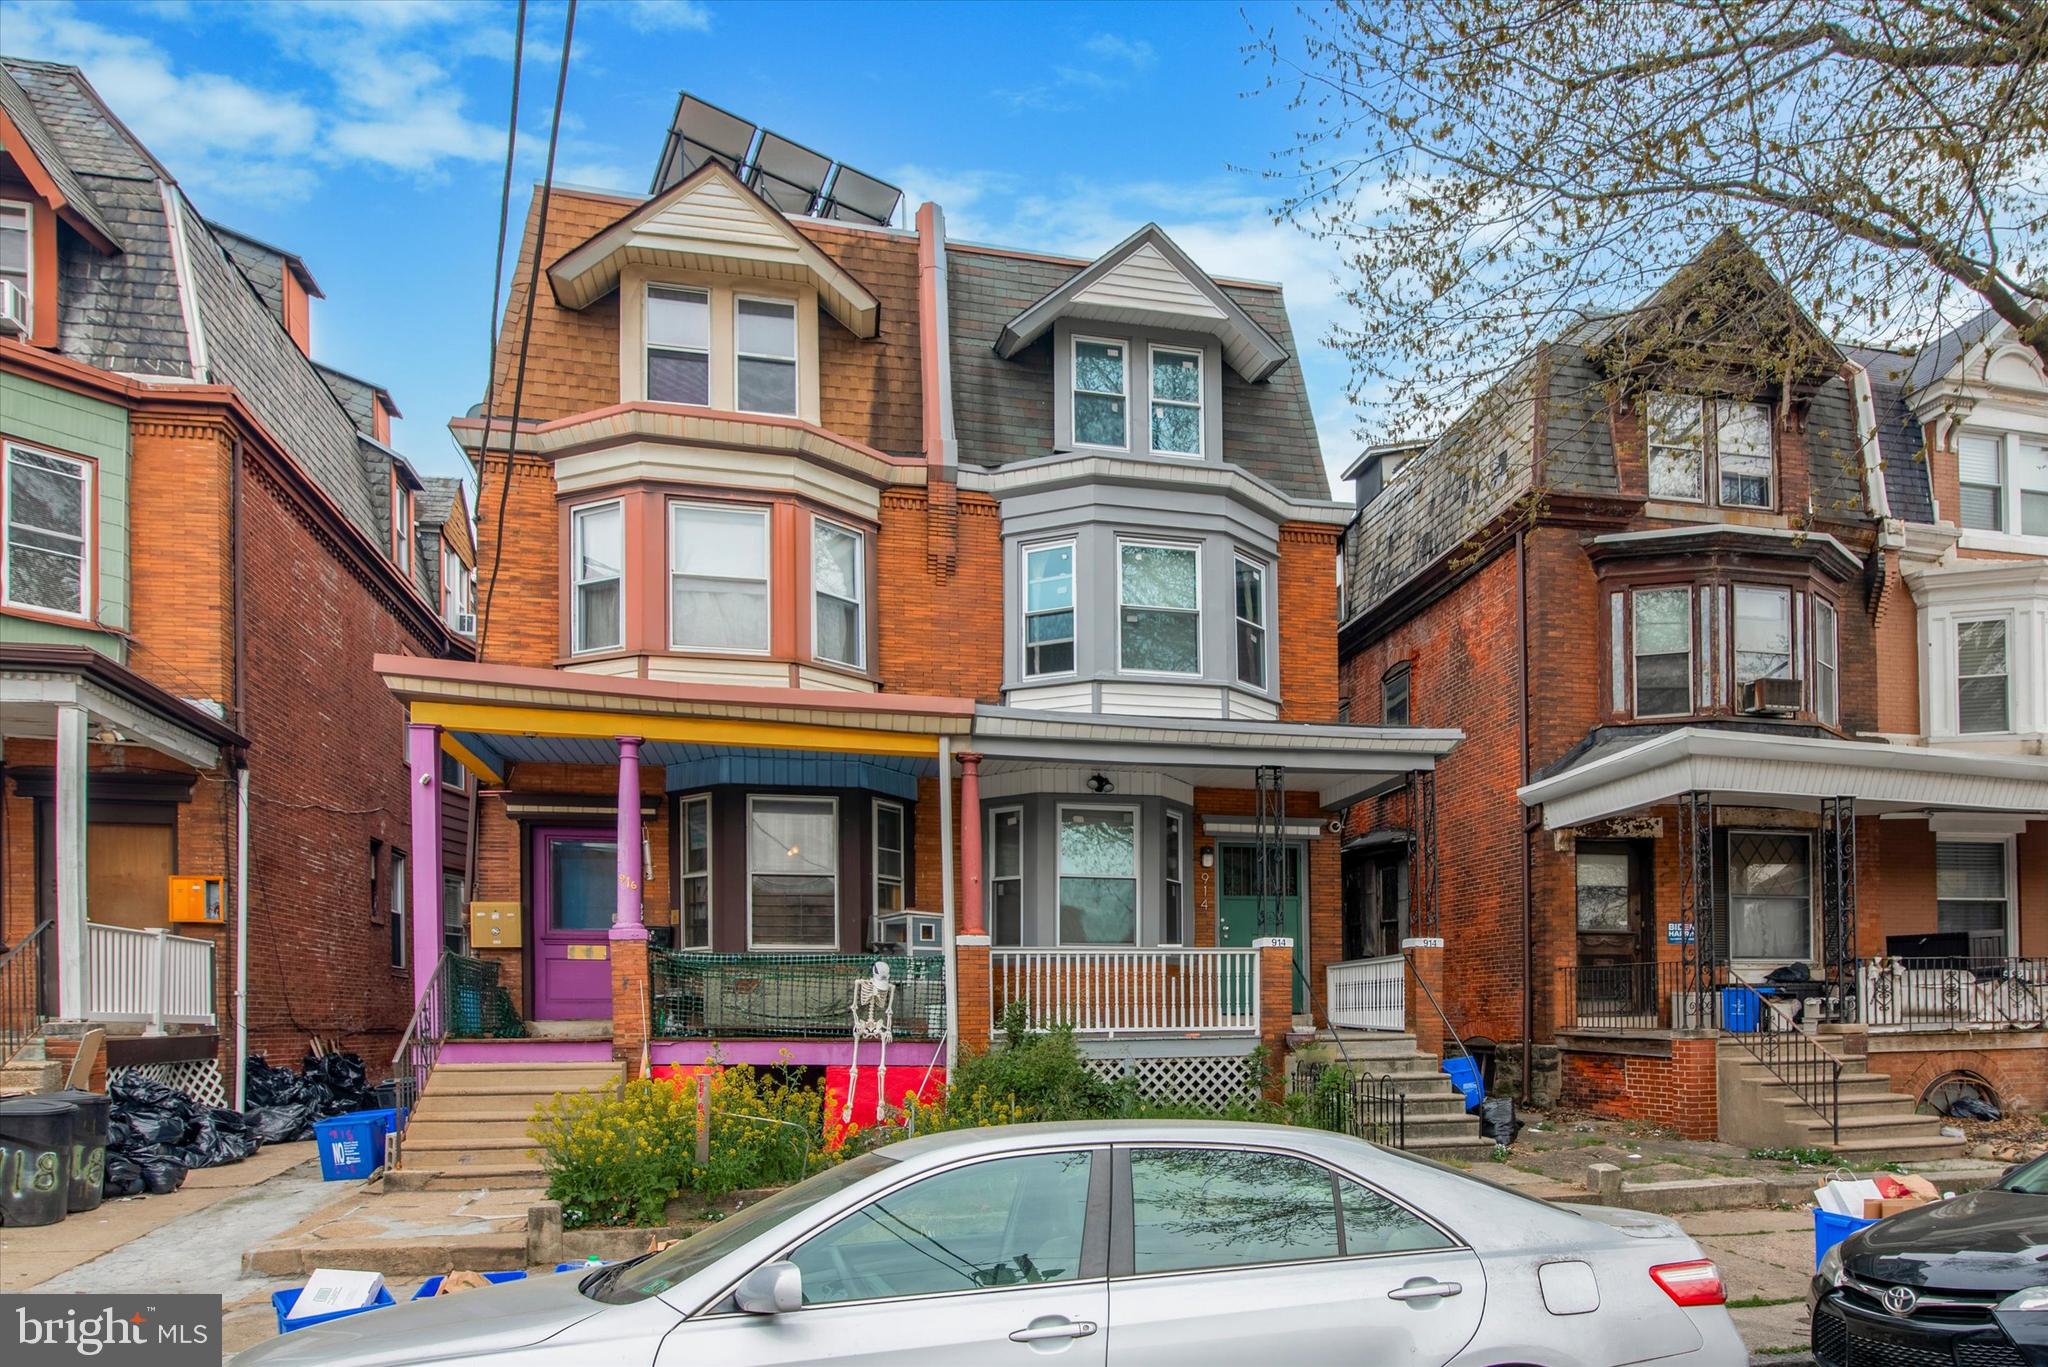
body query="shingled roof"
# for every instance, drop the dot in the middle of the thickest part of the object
(1900, 448)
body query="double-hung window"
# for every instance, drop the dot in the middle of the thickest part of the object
(597, 557)
(1677, 442)
(1826, 663)
(793, 872)
(1173, 916)
(693, 829)
(764, 336)
(888, 858)
(1250, 584)
(1970, 888)
(2033, 488)
(1176, 402)
(1006, 875)
(1763, 635)
(1682, 450)
(1159, 612)
(1742, 454)
(401, 891)
(838, 590)
(678, 345)
(49, 517)
(718, 577)
(1049, 610)
(401, 526)
(1100, 388)
(2004, 483)
(17, 248)
(1663, 652)
(1098, 875)
(1980, 462)
(1397, 694)
(1983, 676)
(1770, 895)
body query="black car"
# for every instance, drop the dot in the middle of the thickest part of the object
(1960, 1283)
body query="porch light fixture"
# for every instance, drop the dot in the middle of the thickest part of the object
(1099, 783)
(1209, 857)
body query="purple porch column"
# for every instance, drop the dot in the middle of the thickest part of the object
(626, 923)
(423, 748)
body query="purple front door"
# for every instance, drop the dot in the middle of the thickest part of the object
(575, 891)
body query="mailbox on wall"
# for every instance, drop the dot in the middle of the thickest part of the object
(196, 898)
(495, 925)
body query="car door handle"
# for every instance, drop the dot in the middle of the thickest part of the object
(1070, 1329)
(1424, 1290)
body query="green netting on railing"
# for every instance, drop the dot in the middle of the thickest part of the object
(808, 996)
(478, 1008)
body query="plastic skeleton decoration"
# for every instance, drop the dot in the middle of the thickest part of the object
(874, 998)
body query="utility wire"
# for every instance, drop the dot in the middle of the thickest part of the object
(540, 228)
(497, 293)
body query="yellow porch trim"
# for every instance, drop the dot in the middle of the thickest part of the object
(469, 759)
(601, 725)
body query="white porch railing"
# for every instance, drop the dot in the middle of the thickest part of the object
(1954, 993)
(1367, 994)
(147, 975)
(1129, 991)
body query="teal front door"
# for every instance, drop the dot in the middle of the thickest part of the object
(1238, 908)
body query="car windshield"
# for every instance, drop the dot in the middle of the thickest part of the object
(2032, 1178)
(657, 1272)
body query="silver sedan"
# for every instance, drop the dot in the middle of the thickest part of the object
(1116, 1244)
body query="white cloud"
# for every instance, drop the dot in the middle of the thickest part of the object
(1103, 64)
(1110, 47)
(665, 16)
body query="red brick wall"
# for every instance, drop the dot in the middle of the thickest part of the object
(2014, 1063)
(940, 626)
(1307, 624)
(1677, 1092)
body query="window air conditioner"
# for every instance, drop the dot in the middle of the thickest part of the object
(1772, 697)
(13, 310)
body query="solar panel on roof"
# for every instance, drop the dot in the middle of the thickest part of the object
(708, 133)
(789, 175)
(858, 197)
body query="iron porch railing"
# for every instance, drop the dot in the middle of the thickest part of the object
(1353, 1103)
(1954, 992)
(1796, 1059)
(789, 996)
(1625, 996)
(21, 991)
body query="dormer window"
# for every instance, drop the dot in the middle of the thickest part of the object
(1176, 402)
(1694, 444)
(678, 345)
(401, 526)
(17, 266)
(1099, 394)
(764, 332)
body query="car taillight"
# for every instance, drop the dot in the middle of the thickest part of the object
(1694, 1283)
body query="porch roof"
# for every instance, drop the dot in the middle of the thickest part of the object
(1339, 762)
(36, 679)
(1787, 771)
(495, 715)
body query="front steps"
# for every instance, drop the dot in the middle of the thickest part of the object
(32, 1070)
(469, 1128)
(1878, 1125)
(1438, 1125)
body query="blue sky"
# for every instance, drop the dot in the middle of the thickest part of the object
(368, 135)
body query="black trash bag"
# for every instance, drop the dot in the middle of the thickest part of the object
(1973, 1108)
(161, 1174)
(340, 1084)
(120, 1134)
(1497, 1120)
(221, 1137)
(150, 1128)
(1790, 973)
(121, 1177)
(269, 1086)
(133, 1091)
(283, 1124)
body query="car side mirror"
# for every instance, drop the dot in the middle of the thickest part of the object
(770, 1289)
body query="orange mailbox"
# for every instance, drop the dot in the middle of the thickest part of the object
(196, 898)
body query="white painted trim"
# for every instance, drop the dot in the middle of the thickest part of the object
(1175, 846)
(1264, 625)
(68, 824)
(1074, 341)
(29, 210)
(748, 838)
(1656, 534)
(903, 842)
(1152, 350)
(576, 514)
(795, 359)
(1137, 879)
(990, 877)
(682, 876)
(181, 267)
(1024, 553)
(637, 390)
(1163, 544)
(89, 523)
(859, 601)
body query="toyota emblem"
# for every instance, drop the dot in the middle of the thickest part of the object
(1900, 1300)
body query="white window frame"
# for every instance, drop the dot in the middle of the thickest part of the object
(88, 522)
(989, 892)
(648, 346)
(1074, 391)
(1827, 670)
(2010, 846)
(1152, 352)
(401, 520)
(1200, 652)
(1137, 816)
(1635, 679)
(576, 516)
(28, 227)
(1174, 858)
(795, 357)
(766, 580)
(2002, 489)
(400, 904)
(1955, 671)
(1784, 595)
(1650, 450)
(684, 878)
(833, 804)
(860, 588)
(901, 880)
(1257, 567)
(1813, 872)
(1073, 608)
(1770, 455)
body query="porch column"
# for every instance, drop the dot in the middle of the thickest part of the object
(970, 843)
(423, 748)
(70, 820)
(626, 924)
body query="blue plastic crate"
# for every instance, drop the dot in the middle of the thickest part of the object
(1830, 1229)
(351, 1146)
(282, 1302)
(432, 1285)
(1464, 1074)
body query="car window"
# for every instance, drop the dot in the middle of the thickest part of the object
(1374, 1224)
(1006, 1222)
(2032, 1178)
(1195, 1208)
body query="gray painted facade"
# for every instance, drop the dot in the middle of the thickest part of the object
(1041, 898)
(1139, 343)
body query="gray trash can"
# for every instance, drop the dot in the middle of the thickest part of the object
(35, 1160)
(88, 1146)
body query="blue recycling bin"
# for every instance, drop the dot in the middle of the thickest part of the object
(282, 1302)
(1742, 1010)
(431, 1287)
(1830, 1229)
(351, 1146)
(1464, 1075)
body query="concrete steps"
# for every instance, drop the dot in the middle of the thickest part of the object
(1873, 1123)
(1436, 1119)
(469, 1128)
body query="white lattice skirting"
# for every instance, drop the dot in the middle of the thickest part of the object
(198, 1078)
(1210, 1080)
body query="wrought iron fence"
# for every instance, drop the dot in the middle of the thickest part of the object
(1954, 992)
(789, 996)
(21, 991)
(1795, 1058)
(1353, 1103)
(1636, 996)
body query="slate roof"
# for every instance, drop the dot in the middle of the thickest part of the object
(265, 265)
(357, 397)
(1940, 356)
(1899, 439)
(1002, 409)
(21, 112)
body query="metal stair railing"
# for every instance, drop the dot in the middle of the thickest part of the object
(21, 992)
(1796, 1059)
(420, 1047)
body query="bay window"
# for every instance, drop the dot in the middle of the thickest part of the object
(1980, 465)
(1100, 410)
(1159, 615)
(792, 873)
(718, 577)
(693, 872)
(1763, 635)
(764, 337)
(678, 345)
(597, 556)
(1250, 599)
(1983, 676)
(888, 858)
(1770, 895)
(1972, 894)
(1827, 703)
(1098, 875)
(1006, 875)
(1176, 402)
(1049, 610)
(49, 516)
(1663, 652)
(838, 592)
